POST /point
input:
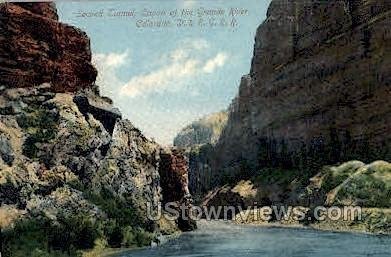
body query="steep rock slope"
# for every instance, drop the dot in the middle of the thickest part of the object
(204, 131)
(318, 91)
(73, 173)
(362, 191)
(31, 55)
(198, 140)
(352, 183)
(174, 176)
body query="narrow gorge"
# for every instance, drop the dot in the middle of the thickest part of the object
(310, 126)
(316, 99)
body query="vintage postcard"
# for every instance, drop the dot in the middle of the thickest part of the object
(195, 128)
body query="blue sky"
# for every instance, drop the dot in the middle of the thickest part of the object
(162, 79)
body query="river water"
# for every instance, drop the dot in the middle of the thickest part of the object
(220, 239)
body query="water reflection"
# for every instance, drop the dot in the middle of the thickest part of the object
(222, 239)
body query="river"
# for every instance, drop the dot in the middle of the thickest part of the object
(220, 239)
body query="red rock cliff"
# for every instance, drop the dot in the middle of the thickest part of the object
(36, 48)
(174, 176)
(174, 182)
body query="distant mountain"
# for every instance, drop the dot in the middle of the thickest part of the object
(204, 131)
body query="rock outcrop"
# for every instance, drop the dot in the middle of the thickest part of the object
(69, 164)
(174, 182)
(351, 184)
(100, 109)
(198, 140)
(200, 168)
(174, 175)
(226, 197)
(318, 91)
(369, 186)
(47, 143)
(36, 48)
(204, 131)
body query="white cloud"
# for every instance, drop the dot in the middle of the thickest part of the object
(111, 60)
(107, 65)
(172, 69)
(160, 79)
(187, 48)
(215, 63)
(179, 65)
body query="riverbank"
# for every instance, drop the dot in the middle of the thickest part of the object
(374, 221)
(102, 251)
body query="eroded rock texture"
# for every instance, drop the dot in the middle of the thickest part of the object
(48, 145)
(174, 182)
(319, 88)
(174, 175)
(65, 151)
(198, 140)
(30, 55)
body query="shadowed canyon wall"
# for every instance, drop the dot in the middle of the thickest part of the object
(318, 91)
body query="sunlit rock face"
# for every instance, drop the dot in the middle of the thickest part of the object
(318, 91)
(49, 146)
(204, 131)
(65, 149)
(29, 55)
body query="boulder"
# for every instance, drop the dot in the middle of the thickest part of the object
(100, 109)
(6, 152)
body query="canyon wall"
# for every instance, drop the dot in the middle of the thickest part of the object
(36, 48)
(174, 178)
(207, 130)
(198, 140)
(318, 91)
(67, 158)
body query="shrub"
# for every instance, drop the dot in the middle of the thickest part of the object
(334, 176)
(116, 208)
(124, 226)
(371, 191)
(77, 232)
(41, 126)
(41, 237)
(30, 238)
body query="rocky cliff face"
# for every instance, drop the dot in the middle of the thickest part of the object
(67, 158)
(48, 144)
(174, 180)
(198, 140)
(204, 131)
(174, 175)
(36, 48)
(318, 90)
